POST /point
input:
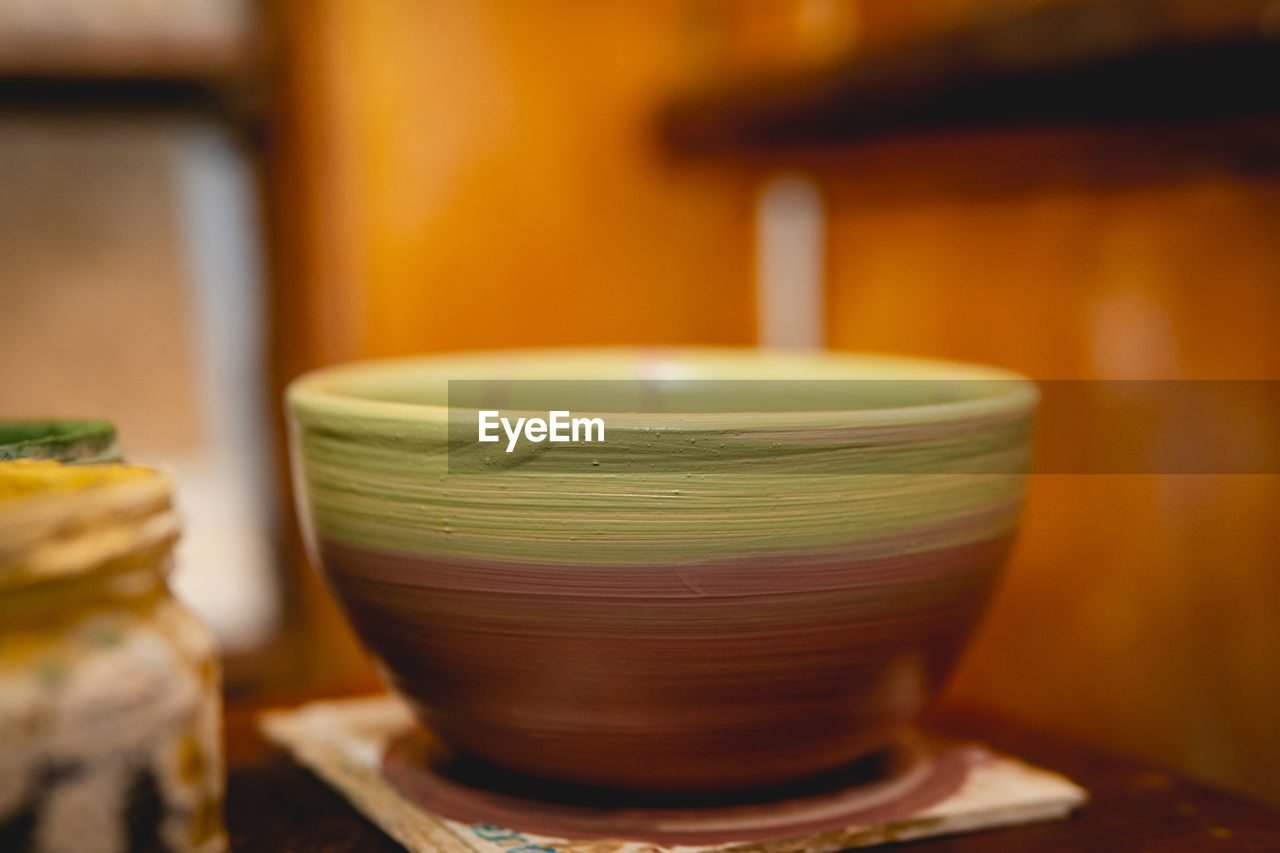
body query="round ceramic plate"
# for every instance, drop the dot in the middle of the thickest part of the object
(912, 774)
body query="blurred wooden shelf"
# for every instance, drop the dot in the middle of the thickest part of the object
(237, 97)
(123, 58)
(110, 53)
(1072, 62)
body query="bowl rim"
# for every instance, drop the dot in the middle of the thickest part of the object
(328, 392)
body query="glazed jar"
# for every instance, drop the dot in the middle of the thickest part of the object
(63, 440)
(109, 689)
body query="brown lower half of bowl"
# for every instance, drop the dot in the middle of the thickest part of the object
(655, 684)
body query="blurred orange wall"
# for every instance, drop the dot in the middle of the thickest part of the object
(479, 174)
(485, 173)
(1139, 612)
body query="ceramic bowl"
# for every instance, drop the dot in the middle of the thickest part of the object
(761, 577)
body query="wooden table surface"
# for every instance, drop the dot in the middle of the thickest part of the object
(273, 805)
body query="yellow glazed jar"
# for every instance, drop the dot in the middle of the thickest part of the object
(109, 689)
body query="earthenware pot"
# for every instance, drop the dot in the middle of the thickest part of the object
(761, 576)
(110, 700)
(63, 440)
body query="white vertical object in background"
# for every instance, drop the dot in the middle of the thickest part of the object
(790, 263)
(226, 560)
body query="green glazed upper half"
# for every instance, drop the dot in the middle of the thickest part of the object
(59, 440)
(931, 455)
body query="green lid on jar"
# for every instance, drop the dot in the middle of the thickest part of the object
(61, 440)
